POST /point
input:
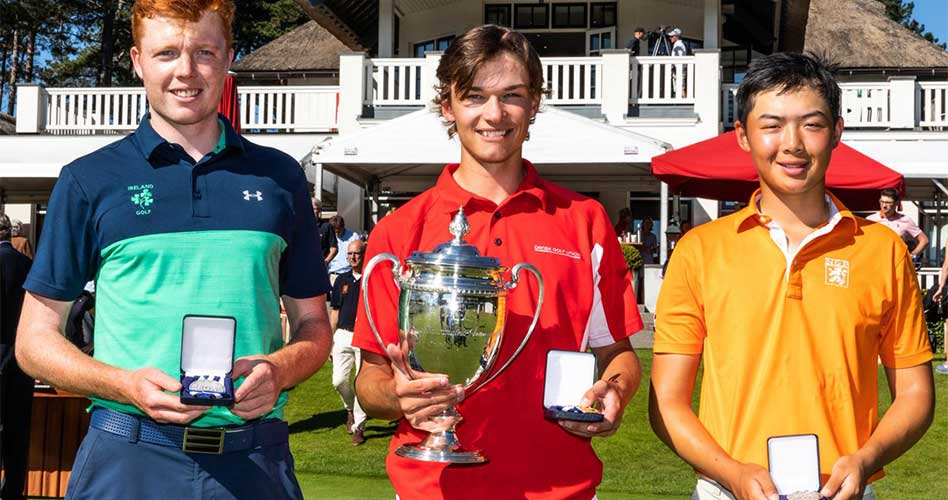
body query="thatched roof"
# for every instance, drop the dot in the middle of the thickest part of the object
(858, 34)
(307, 48)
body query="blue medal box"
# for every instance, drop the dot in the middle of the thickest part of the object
(207, 360)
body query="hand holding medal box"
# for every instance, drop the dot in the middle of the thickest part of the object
(794, 464)
(568, 375)
(207, 360)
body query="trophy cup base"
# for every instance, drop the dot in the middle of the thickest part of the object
(454, 456)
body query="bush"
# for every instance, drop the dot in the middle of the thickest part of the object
(633, 259)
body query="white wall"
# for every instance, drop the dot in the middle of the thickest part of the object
(458, 17)
(452, 19)
(19, 211)
(688, 15)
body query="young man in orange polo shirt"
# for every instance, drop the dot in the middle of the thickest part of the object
(789, 303)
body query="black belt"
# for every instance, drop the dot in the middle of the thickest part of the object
(215, 441)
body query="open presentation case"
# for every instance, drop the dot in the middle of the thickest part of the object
(207, 360)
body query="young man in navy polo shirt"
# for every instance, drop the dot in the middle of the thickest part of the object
(181, 217)
(491, 84)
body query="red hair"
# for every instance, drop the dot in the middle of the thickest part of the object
(184, 10)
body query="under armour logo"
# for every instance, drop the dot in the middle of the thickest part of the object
(258, 195)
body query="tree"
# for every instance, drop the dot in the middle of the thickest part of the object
(901, 12)
(260, 22)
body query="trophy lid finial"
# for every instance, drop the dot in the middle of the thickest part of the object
(459, 227)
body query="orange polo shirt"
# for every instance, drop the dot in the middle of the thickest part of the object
(790, 341)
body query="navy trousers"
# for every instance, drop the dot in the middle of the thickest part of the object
(109, 466)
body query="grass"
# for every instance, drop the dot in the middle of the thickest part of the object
(637, 465)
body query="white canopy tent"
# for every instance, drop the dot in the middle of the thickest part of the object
(408, 153)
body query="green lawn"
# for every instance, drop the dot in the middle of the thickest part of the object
(637, 465)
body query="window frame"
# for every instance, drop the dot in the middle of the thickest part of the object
(569, 6)
(615, 14)
(546, 11)
(498, 6)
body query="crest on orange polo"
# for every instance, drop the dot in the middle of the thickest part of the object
(790, 341)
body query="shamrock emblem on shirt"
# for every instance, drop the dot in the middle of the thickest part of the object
(143, 199)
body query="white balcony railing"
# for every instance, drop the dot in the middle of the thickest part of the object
(86, 110)
(865, 105)
(81, 111)
(296, 108)
(573, 80)
(664, 80)
(614, 82)
(934, 104)
(393, 82)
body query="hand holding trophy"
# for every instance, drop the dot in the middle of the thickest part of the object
(451, 317)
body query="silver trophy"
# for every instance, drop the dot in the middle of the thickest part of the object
(451, 316)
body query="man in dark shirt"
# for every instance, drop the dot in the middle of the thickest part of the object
(344, 302)
(327, 239)
(16, 388)
(635, 44)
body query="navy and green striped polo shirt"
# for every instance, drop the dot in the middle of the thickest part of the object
(164, 236)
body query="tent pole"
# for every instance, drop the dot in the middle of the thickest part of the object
(663, 223)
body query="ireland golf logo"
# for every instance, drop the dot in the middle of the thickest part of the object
(142, 197)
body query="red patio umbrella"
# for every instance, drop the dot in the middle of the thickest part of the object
(228, 105)
(719, 169)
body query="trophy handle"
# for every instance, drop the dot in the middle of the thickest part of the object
(515, 278)
(396, 270)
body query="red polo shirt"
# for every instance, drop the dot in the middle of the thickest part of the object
(589, 301)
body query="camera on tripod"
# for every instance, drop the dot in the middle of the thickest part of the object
(660, 41)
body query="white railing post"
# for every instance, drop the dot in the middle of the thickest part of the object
(351, 89)
(429, 78)
(30, 108)
(708, 92)
(615, 84)
(903, 102)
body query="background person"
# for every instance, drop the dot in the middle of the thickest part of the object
(327, 238)
(637, 42)
(16, 387)
(789, 303)
(678, 46)
(345, 357)
(147, 217)
(491, 84)
(340, 263)
(902, 224)
(19, 240)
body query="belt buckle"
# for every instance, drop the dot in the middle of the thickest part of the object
(207, 441)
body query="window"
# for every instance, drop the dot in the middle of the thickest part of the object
(602, 15)
(531, 17)
(497, 14)
(569, 15)
(439, 44)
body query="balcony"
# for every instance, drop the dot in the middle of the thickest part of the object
(622, 90)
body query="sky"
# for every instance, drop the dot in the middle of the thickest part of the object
(934, 15)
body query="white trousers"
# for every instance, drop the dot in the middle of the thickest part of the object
(710, 490)
(345, 359)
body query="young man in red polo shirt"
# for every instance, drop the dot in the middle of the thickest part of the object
(789, 303)
(491, 84)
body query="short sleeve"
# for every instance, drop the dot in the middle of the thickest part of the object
(614, 314)
(68, 253)
(912, 228)
(302, 272)
(904, 340)
(679, 315)
(379, 285)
